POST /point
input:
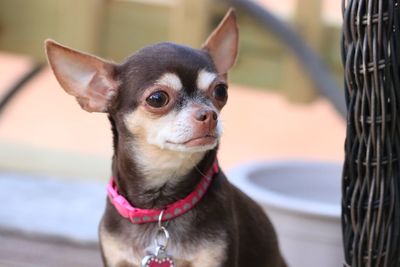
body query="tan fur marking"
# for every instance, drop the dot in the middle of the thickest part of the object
(171, 80)
(183, 263)
(160, 161)
(116, 252)
(125, 264)
(205, 79)
(211, 255)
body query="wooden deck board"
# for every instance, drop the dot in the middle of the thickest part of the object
(19, 250)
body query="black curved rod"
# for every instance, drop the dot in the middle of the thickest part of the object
(12, 92)
(313, 65)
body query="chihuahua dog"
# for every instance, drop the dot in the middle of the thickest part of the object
(164, 104)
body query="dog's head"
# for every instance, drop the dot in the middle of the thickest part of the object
(165, 99)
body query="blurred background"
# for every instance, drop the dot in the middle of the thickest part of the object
(275, 111)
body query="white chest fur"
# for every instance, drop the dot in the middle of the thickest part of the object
(117, 252)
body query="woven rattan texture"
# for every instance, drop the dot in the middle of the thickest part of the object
(371, 173)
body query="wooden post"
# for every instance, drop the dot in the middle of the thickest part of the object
(80, 23)
(308, 21)
(24, 25)
(189, 22)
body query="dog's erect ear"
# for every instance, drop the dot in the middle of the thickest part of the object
(88, 78)
(222, 44)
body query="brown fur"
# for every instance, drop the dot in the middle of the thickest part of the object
(226, 228)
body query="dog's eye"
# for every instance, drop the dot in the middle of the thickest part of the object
(158, 99)
(220, 92)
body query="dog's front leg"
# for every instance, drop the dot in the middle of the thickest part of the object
(212, 255)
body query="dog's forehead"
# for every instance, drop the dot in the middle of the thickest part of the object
(152, 62)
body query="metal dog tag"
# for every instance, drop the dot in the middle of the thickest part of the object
(160, 259)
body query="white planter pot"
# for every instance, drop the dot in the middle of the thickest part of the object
(302, 200)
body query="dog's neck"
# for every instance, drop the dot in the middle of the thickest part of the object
(151, 178)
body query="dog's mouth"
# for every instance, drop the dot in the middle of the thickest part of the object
(201, 141)
(198, 141)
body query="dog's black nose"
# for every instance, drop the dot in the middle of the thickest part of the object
(204, 115)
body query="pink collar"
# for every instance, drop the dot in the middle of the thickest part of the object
(138, 216)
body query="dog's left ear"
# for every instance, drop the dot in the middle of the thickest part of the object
(223, 42)
(90, 79)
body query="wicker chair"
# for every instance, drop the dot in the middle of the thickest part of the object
(370, 188)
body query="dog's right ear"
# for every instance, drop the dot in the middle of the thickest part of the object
(90, 79)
